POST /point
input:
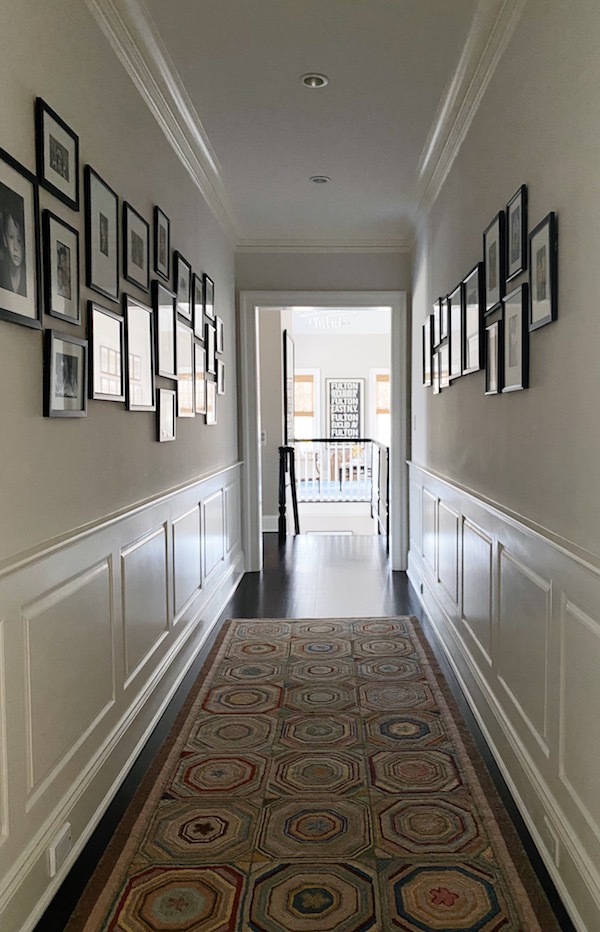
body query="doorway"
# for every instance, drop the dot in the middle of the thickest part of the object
(250, 305)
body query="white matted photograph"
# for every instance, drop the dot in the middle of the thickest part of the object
(61, 266)
(516, 340)
(166, 414)
(211, 402)
(19, 244)
(65, 375)
(101, 235)
(136, 248)
(57, 150)
(140, 355)
(185, 371)
(107, 331)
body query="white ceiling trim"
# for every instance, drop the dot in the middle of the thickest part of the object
(493, 25)
(133, 36)
(393, 244)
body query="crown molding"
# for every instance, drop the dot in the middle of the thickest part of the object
(136, 42)
(397, 244)
(494, 23)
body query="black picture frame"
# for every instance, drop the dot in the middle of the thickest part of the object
(516, 234)
(182, 285)
(435, 373)
(166, 415)
(543, 272)
(515, 307)
(165, 324)
(65, 375)
(210, 346)
(61, 268)
(220, 377)
(20, 279)
(219, 336)
(427, 346)
(494, 253)
(437, 321)
(444, 318)
(198, 304)
(57, 155)
(101, 235)
(456, 312)
(186, 371)
(493, 358)
(162, 243)
(136, 248)
(473, 344)
(199, 378)
(106, 355)
(209, 297)
(139, 344)
(211, 402)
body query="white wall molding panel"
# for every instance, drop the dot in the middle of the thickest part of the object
(521, 628)
(96, 633)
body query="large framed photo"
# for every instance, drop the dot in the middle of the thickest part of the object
(166, 414)
(220, 336)
(220, 377)
(19, 244)
(209, 297)
(427, 350)
(198, 301)
(57, 151)
(165, 316)
(183, 283)
(494, 261)
(516, 340)
(345, 408)
(162, 244)
(493, 358)
(107, 337)
(140, 355)
(473, 345)
(210, 345)
(101, 235)
(186, 402)
(455, 331)
(444, 353)
(65, 375)
(199, 378)
(211, 402)
(516, 234)
(543, 269)
(61, 265)
(136, 247)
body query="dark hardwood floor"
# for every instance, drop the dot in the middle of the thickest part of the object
(311, 576)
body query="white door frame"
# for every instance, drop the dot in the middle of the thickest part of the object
(249, 304)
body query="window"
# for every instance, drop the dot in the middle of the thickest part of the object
(305, 405)
(382, 422)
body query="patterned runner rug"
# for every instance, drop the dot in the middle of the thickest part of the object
(321, 779)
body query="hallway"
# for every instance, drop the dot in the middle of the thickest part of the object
(308, 577)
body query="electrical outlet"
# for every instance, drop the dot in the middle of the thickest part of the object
(263, 438)
(58, 849)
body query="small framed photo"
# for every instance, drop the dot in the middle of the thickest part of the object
(57, 152)
(183, 283)
(186, 402)
(107, 337)
(136, 248)
(162, 244)
(166, 414)
(220, 336)
(61, 265)
(211, 402)
(19, 244)
(210, 343)
(455, 328)
(494, 261)
(101, 235)
(516, 234)
(427, 350)
(165, 317)
(220, 377)
(435, 373)
(209, 297)
(543, 270)
(65, 375)
(444, 352)
(199, 378)
(437, 321)
(198, 301)
(140, 355)
(493, 357)
(473, 345)
(516, 340)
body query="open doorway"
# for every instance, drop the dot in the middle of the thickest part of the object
(251, 305)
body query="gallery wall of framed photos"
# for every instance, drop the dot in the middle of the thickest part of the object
(486, 320)
(172, 333)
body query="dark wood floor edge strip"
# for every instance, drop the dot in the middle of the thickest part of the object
(108, 860)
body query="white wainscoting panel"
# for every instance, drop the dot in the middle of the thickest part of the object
(144, 598)
(415, 524)
(477, 557)
(91, 652)
(187, 561)
(523, 637)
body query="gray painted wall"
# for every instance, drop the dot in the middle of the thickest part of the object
(275, 271)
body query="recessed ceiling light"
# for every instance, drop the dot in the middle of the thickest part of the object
(320, 179)
(312, 79)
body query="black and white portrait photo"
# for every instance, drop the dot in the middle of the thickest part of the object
(515, 235)
(13, 258)
(66, 376)
(103, 234)
(541, 274)
(137, 250)
(61, 266)
(63, 270)
(59, 157)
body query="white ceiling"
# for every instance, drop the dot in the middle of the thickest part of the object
(389, 62)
